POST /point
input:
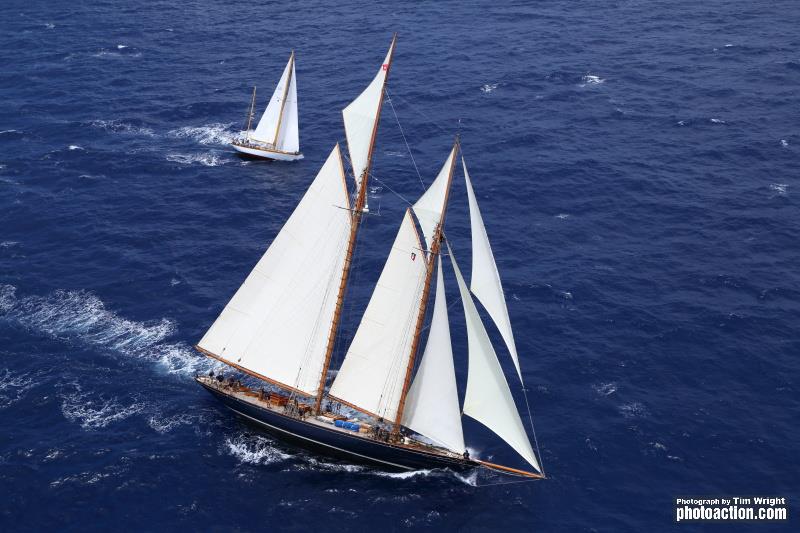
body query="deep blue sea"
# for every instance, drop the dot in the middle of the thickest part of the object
(637, 167)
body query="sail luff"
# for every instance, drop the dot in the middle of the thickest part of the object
(432, 255)
(488, 398)
(283, 100)
(378, 113)
(485, 281)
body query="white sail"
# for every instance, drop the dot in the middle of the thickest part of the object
(267, 130)
(485, 282)
(430, 206)
(277, 324)
(373, 371)
(488, 398)
(361, 119)
(289, 133)
(432, 402)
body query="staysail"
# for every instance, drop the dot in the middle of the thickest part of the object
(361, 119)
(485, 282)
(372, 374)
(488, 398)
(432, 402)
(276, 326)
(278, 125)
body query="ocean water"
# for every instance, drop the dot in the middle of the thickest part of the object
(637, 167)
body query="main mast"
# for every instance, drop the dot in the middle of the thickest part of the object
(433, 254)
(251, 112)
(356, 214)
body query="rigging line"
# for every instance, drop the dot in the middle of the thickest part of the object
(403, 198)
(533, 429)
(505, 483)
(424, 115)
(388, 99)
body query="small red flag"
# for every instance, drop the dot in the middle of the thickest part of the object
(413, 256)
(385, 66)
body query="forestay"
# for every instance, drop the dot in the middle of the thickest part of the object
(278, 125)
(485, 282)
(361, 119)
(430, 206)
(373, 371)
(277, 323)
(432, 402)
(488, 398)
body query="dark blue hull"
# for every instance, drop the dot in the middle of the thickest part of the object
(337, 443)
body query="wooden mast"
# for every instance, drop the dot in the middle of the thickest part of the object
(355, 220)
(250, 114)
(283, 101)
(436, 244)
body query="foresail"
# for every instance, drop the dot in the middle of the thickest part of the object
(485, 283)
(361, 119)
(432, 402)
(488, 398)
(373, 371)
(277, 323)
(267, 129)
(289, 134)
(430, 206)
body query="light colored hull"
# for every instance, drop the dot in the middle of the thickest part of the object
(266, 153)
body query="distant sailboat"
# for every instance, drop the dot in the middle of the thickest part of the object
(282, 323)
(277, 135)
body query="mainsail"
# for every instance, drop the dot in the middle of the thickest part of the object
(278, 125)
(372, 374)
(361, 119)
(277, 324)
(485, 282)
(432, 403)
(488, 398)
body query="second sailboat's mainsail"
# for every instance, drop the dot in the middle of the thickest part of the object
(277, 324)
(278, 125)
(371, 376)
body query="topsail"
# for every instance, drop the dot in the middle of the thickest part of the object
(361, 119)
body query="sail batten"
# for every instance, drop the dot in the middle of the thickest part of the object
(372, 373)
(361, 118)
(277, 323)
(488, 398)
(485, 282)
(432, 404)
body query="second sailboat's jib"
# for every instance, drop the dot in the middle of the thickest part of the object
(373, 371)
(361, 119)
(432, 403)
(277, 324)
(278, 125)
(485, 282)
(488, 398)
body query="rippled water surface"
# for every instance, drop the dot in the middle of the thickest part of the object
(637, 167)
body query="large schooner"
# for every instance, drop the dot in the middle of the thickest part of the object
(281, 325)
(277, 134)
